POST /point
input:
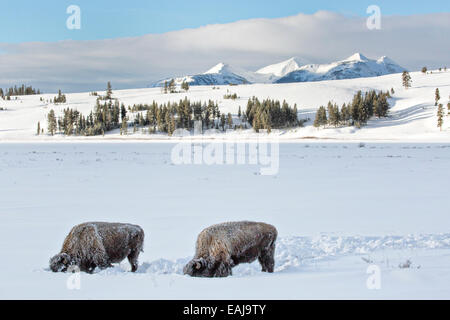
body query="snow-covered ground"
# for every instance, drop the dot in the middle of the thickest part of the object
(339, 208)
(377, 196)
(413, 116)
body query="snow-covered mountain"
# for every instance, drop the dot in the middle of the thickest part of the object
(355, 66)
(280, 69)
(220, 74)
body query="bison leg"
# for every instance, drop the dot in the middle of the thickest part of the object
(133, 259)
(266, 258)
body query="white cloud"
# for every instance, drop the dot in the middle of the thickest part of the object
(412, 41)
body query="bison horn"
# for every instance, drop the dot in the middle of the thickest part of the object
(198, 265)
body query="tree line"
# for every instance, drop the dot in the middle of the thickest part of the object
(157, 117)
(270, 114)
(355, 113)
(104, 118)
(171, 87)
(18, 91)
(167, 117)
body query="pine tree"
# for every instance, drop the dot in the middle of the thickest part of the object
(424, 70)
(38, 128)
(448, 107)
(124, 128)
(333, 115)
(185, 86)
(337, 115)
(230, 121)
(51, 120)
(256, 124)
(440, 116)
(222, 121)
(345, 114)
(355, 108)
(61, 98)
(108, 91)
(406, 79)
(392, 91)
(437, 97)
(321, 117)
(239, 112)
(166, 120)
(381, 106)
(295, 115)
(172, 86)
(123, 112)
(171, 125)
(363, 113)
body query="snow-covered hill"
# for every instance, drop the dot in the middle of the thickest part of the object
(292, 70)
(412, 114)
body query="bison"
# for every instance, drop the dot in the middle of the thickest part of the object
(99, 244)
(221, 247)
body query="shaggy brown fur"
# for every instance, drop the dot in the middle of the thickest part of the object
(99, 244)
(223, 246)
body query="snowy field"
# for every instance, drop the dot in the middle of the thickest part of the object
(413, 116)
(343, 199)
(338, 207)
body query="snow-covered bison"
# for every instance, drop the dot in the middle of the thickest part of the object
(223, 246)
(99, 244)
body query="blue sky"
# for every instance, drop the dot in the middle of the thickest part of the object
(45, 20)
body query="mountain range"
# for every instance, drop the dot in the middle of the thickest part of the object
(355, 66)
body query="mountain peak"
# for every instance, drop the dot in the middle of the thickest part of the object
(386, 59)
(291, 60)
(280, 69)
(357, 57)
(217, 68)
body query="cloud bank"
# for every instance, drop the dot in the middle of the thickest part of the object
(412, 41)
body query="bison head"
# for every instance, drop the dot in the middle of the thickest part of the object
(207, 268)
(60, 262)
